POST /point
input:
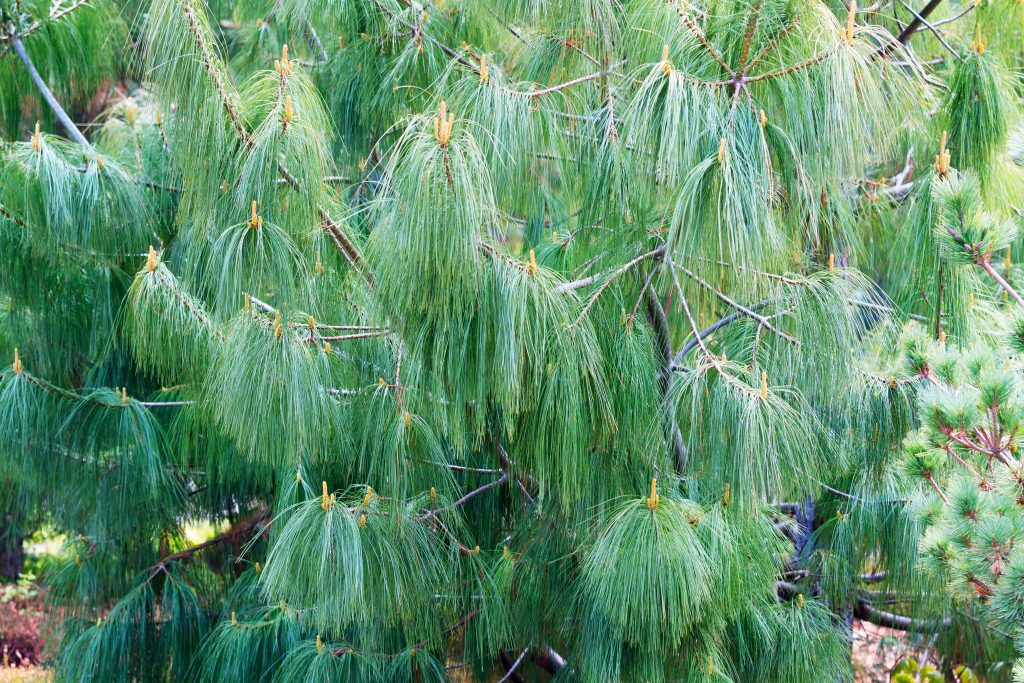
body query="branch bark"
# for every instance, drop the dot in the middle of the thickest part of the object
(234, 533)
(910, 29)
(866, 612)
(663, 340)
(987, 267)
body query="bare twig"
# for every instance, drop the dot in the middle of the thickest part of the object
(515, 665)
(739, 307)
(654, 253)
(569, 84)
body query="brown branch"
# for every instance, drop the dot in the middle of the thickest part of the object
(358, 335)
(910, 29)
(210, 61)
(663, 345)
(867, 612)
(1007, 287)
(705, 43)
(569, 84)
(6, 213)
(233, 534)
(772, 44)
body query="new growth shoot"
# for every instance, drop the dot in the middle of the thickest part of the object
(654, 498)
(942, 159)
(850, 23)
(443, 125)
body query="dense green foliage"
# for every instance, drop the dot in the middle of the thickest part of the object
(642, 340)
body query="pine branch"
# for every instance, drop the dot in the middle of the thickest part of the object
(474, 493)
(703, 40)
(55, 15)
(934, 30)
(786, 70)
(383, 332)
(865, 611)
(772, 44)
(216, 76)
(210, 62)
(654, 253)
(705, 333)
(568, 84)
(44, 90)
(6, 213)
(510, 672)
(1000, 280)
(233, 534)
(738, 306)
(910, 29)
(549, 660)
(658, 321)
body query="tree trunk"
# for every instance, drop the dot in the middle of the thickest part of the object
(12, 553)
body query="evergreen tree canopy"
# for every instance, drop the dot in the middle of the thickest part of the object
(575, 340)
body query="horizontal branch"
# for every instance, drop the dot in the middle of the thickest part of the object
(866, 612)
(569, 84)
(381, 332)
(234, 533)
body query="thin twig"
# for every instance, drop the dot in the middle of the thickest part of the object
(569, 84)
(740, 307)
(933, 30)
(654, 253)
(359, 335)
(515, 665)
(987, 267)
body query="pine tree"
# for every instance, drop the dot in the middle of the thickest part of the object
(596, 340)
